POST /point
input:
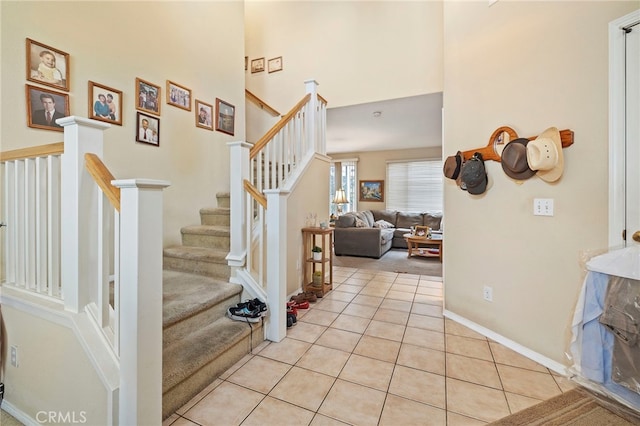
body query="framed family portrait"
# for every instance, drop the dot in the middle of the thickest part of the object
(204, 115)
(225, 117)
(371, 190)
(47, 65)
(147, 97)
(257, 65)
(105, 103)
(148, 129)
(44, 107)
(178, 96)
(421, 231)
(275, 64)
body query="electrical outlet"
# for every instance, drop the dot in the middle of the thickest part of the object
(14, 355)
(487, 293)
(543, 206)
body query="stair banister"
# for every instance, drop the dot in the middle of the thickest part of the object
(140, 396)
(80, 209)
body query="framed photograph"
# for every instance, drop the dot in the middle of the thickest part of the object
(275, 64)
(105, 103)
(148, 129)
(204, 115)
(47, 65)
(147, 97)
(44, 107)
(421, 231)
(178, 96)
(371, 190)
(257, 65)
(225, 117)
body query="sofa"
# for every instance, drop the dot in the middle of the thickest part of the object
(372, 233)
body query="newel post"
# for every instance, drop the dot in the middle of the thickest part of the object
(317, 145)
(79, 214)
(276, 259)
(140, 399)
(239, 170)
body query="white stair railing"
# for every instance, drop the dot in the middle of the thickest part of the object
(66, 240)
(265, 172)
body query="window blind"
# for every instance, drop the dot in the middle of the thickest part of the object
(414, 185)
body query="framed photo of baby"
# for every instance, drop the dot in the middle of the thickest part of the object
(47, 65)
(105, 103)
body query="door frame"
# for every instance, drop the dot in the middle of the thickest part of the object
(617, 127)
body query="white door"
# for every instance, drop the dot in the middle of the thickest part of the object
(624, 122)
(632, 72)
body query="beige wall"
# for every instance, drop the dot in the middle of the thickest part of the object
(358, 51)
(373, 166)
(310, 195)
(529, 65)
(196, 44)
(59, 379)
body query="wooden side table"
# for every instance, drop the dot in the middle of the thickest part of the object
(321, 237)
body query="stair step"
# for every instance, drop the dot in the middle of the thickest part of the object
(224, 199)
(193, 363)
(209, 236)
(192, 301)
(220, 216)
(197, 260)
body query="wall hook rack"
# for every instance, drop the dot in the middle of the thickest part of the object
(502, 135)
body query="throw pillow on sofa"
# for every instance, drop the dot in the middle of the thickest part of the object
(361, 224)
(383, 224)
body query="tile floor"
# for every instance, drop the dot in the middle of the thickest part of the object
(374, 351)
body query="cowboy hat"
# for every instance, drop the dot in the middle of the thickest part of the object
(514, 160)
(544, 154)
(452, 166)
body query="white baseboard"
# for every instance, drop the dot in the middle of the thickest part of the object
(19, 415)
(516, 347)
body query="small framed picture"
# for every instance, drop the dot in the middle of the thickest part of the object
(105, 103)
(47, 65)
(225, 117)
(275, 64)
(421, 231)
(204, 115)
(44, 107)
(371, 190)
(148, 129)
(178, 96)
(257, 65)
(147, 97)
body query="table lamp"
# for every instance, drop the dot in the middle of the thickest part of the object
(339, 199)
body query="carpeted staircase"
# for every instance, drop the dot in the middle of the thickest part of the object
(199, 342)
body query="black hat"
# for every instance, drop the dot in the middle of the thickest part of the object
(514, 160)
(474, 175)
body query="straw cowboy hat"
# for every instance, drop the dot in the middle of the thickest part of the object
(544, 155)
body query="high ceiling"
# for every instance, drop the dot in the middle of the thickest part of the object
(412, 122)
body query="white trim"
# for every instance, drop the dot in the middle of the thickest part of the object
(617, 127)
(345, 160)
(522, 350)
(19, 415)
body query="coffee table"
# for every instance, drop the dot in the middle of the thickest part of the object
(414, 249)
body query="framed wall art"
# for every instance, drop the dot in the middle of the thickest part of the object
(371, 190)
(178, 96)
(225, 117)
(257, 65)
(47, 65)
(44, 107)
(204, 115)
(147, 97)
(105, 103)
(275, 64)
(148, 129)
